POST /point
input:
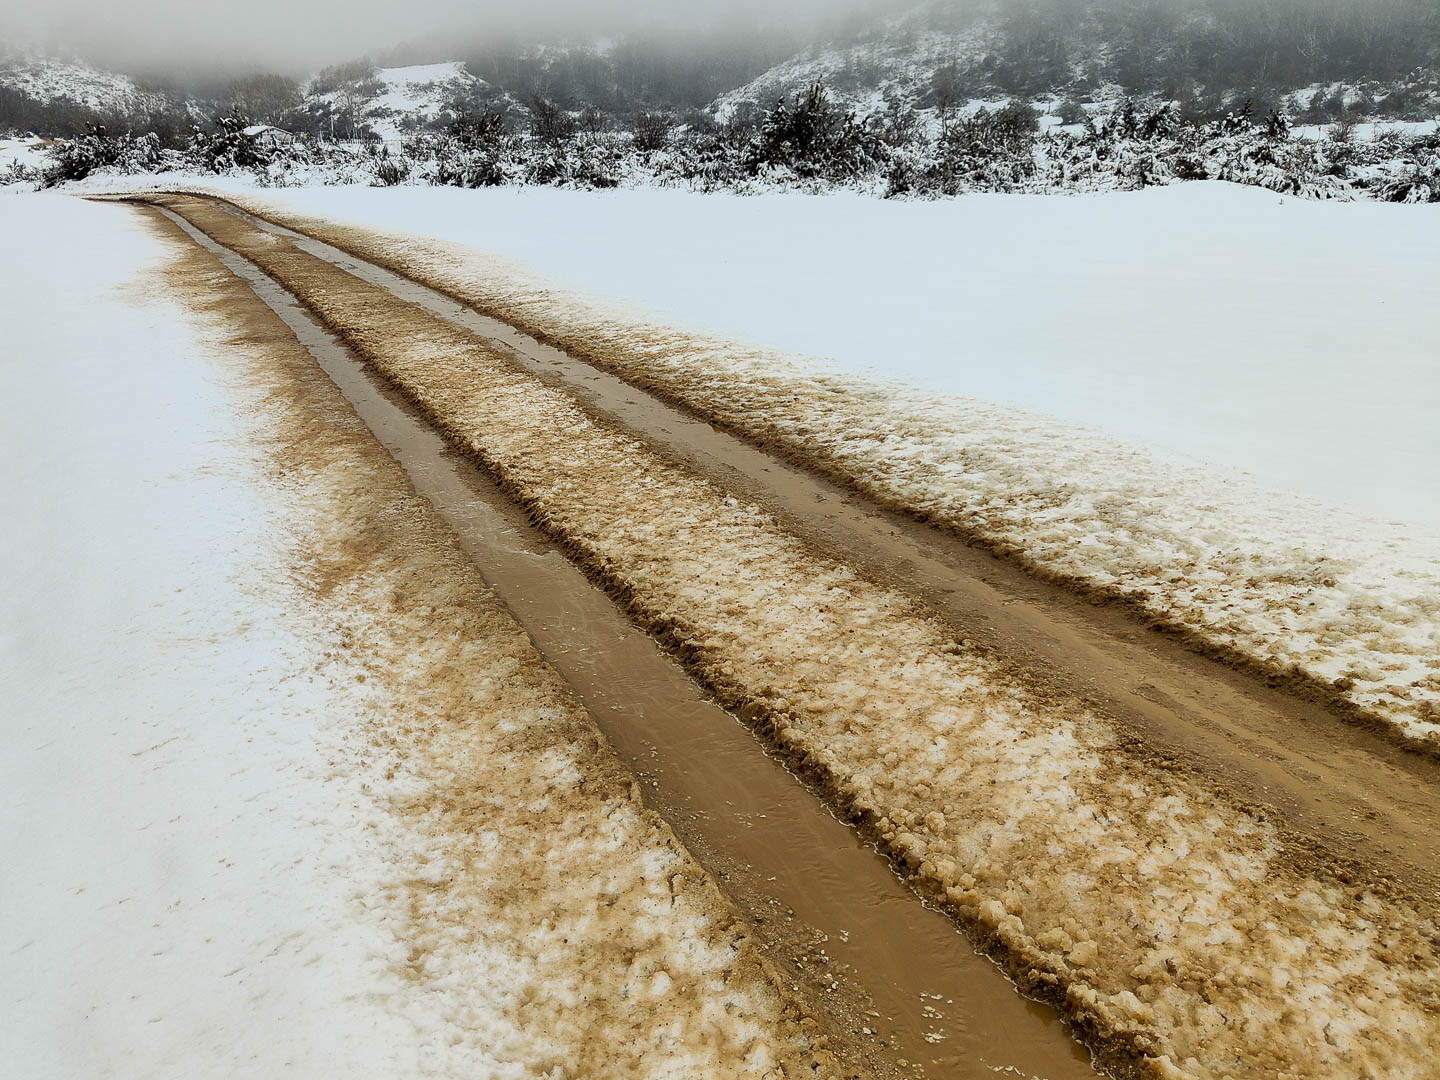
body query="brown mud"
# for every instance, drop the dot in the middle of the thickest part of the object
(1355, 792)
(897, 988)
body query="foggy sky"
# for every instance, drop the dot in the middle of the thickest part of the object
(298, 36)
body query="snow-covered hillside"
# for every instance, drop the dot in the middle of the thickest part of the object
(938, 53)
(415, 95)
(896, 65)
(49, 80)
(399, 101)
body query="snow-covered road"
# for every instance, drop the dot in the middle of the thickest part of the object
(178, 895)
(1147, 900)
(240, 636)
(1284, 569)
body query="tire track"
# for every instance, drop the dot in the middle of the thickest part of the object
(1183, 934)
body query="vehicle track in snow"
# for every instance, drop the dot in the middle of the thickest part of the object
(1294, 882)
(1357, 794)
(1339, 610)
(887, 979)
(510, 905)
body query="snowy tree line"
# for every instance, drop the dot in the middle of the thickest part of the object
(806, 142)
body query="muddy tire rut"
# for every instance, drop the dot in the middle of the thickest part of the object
(1237, 796)
(1359, 794)
(888, 984)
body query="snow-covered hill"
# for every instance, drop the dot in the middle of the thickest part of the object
(938, 54)
(898, 63)
(49, 80)
(396, 102)
(416, 95)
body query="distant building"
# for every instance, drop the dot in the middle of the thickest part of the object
(269, 138)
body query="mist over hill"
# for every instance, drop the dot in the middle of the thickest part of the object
(927, 98)
(1201, 53)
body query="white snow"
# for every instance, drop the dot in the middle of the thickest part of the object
(1369, 130)
(419, 91)
(27, 153)
(1212, 323)
(177, 893)
(422, 73)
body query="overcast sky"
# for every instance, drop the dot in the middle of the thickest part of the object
(300, 35)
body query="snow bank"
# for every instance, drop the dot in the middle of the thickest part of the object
(27, 154)
(1255, 463)
(1151, 909)
(285, 788)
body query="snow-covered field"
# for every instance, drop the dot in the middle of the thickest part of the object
(1290, 339)
(283, 789)
(1209, 399)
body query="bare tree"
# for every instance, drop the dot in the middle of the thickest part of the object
(947, 94)
(549, 122)
(652, 131)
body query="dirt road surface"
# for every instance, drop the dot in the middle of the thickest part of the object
(1298, 850)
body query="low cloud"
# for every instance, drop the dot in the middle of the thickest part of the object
(189, 39)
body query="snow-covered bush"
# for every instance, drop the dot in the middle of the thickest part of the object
(813, 144)
(17, 173)
(95, 151)
(815, 139)
(390, 169)
(652, 131)
(586, 161)
(475, 151)
(226, 148)
(987, 151)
